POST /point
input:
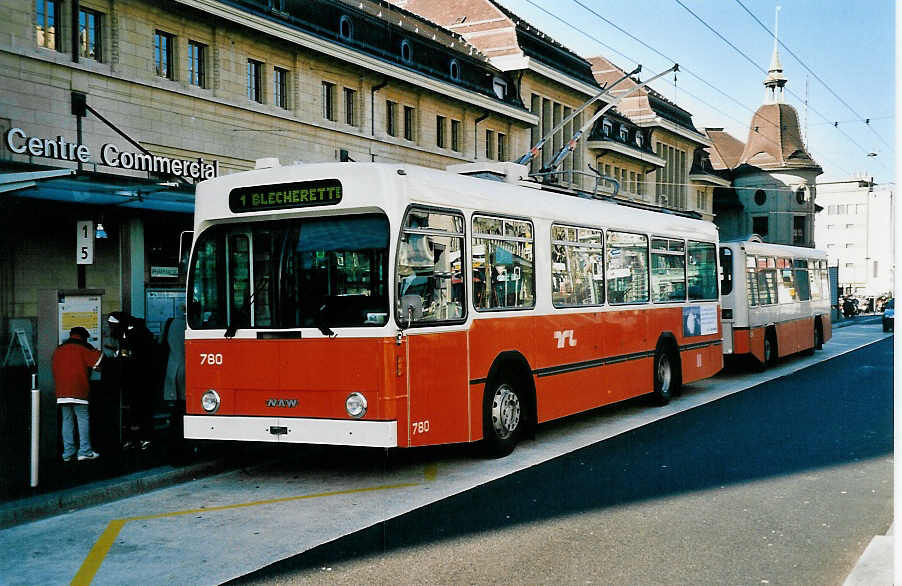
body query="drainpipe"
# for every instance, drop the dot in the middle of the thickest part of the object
(76, 38)
(476, 135)
(373, 91)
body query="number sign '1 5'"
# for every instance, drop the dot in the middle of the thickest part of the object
(84, 242)
(282, 196)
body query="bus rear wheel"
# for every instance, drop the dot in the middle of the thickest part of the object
(502, 418)
(770, 349)
(667, 379)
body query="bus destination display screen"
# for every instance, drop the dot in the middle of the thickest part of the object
(302, 194)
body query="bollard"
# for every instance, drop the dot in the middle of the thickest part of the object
(35, 428)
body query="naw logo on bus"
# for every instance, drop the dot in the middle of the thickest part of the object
(281, 402)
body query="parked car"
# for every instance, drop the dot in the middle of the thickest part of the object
(888, 313)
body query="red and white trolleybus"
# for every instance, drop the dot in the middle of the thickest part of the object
(776, 299)
(393, 305)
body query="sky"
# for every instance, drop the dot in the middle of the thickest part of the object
(846, 47)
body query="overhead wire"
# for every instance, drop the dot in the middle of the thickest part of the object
(817, 77)
(709, 27)
(659, 53)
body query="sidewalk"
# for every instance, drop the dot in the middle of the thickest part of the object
(875, 567)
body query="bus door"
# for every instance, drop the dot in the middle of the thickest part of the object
(432, 308)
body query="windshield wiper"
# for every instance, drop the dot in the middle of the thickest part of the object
(232, 329)
(320, 325)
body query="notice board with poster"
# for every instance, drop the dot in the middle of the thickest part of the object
(80, 310)
(160, 305)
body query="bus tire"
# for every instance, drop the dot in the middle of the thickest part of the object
(770, 348)
(818, 334)
(503, 415)
(666, 374)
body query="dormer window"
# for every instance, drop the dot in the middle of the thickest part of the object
(500, 87)
(640, 141)
(406, 51)
(346, 28)
(454, 70)
(607, 128)
(624, 134)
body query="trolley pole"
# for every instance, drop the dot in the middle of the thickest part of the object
(35, 429)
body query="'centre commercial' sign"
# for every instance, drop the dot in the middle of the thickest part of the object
(20, 143)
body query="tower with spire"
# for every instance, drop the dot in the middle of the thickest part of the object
(774, 177)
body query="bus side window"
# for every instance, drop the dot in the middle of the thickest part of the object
(429, 274)
(626, 257)
(503, 264)
(702, 271)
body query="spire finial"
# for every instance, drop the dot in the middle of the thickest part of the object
(775, 80)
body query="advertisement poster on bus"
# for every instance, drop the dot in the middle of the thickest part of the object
(699, 320)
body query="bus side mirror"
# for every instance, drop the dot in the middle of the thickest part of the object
(185, 251)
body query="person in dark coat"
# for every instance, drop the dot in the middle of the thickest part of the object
(135, 357)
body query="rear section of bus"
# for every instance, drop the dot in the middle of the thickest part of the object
(288, 334)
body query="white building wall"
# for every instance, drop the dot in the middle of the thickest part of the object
(857, 230)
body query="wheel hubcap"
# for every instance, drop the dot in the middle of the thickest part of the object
(505, 411)
(664, 373)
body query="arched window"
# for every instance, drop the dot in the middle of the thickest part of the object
(455, 70)
(406, 51)
(760, 197)
(346, 27)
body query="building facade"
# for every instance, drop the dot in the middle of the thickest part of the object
(857, 229)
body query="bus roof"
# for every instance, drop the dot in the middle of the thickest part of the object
(392, 187)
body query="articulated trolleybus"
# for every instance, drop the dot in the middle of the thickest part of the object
(394, 305)
(776, 299)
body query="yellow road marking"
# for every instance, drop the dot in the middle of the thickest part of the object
(431, 472)
(97, 554)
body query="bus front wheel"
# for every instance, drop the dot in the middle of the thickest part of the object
(503, 417)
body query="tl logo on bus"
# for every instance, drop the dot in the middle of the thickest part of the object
(281, 402)
(564, 337)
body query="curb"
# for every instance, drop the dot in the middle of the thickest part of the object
(875, 567)
(46, 505)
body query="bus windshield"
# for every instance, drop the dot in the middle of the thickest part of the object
(318, 272)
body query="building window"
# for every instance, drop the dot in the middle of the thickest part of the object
(440, 122)
(489, 144)
(197, 55)
(89, 36)
(502, 147)
(640, 141)
(454, 68)
(499, 86)
(329, 101)
(701, 200)
(346, 28)
(48, 15)
(624, 134)
(798, 230)
(391, 118)
(759, 226)
(254, 81)
(607, 128)
(162, 54)
(801, 196)
(455, 136)
(280, 87)
(406, 51)
(409, 123)
(760, 197)
(350, 107)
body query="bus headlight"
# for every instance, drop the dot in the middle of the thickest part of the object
(210, 401)
(355, 405)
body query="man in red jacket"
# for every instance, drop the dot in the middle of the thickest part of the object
(72, 364)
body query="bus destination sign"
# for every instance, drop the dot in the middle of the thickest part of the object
(302, 194)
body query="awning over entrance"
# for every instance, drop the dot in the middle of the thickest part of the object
(100, 189)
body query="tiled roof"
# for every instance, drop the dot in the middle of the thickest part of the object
(726, 150)
(775, 140)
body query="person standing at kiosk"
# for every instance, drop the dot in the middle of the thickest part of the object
(72, 363)
(133, 355)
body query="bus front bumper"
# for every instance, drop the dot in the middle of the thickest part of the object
(296, 430)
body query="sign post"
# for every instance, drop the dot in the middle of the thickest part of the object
(84, 242)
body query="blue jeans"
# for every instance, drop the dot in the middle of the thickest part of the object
(79, 412)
